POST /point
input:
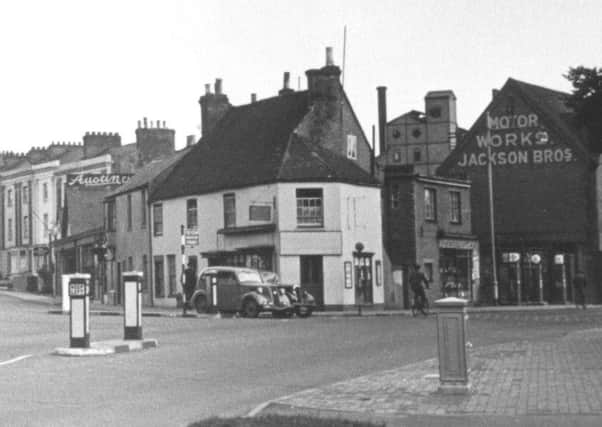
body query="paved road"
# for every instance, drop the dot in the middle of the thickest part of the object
(209, 367)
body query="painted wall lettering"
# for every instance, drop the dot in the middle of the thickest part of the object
(517, 139)
(96, 180)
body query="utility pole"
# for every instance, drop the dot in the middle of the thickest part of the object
(491, 216)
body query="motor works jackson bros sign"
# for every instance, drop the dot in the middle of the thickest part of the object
(517, 139)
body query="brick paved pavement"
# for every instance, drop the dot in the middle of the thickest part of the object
(560, 377)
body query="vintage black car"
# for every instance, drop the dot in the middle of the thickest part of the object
(238, 289)
(301, 300)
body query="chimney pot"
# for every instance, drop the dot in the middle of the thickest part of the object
(207, 89)
(329, 59)
(164, 127)
(145, 122)
(218, 86)
(253, 97)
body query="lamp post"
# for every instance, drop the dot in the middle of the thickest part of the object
(491, 217)
(53, 232)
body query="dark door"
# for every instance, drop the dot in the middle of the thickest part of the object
(312, 277)
(363, 278)
(227, 291)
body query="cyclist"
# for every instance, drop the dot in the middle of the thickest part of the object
(417, 279)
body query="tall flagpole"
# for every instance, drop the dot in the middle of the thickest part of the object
(491, 218)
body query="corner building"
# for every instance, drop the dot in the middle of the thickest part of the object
(544, 179)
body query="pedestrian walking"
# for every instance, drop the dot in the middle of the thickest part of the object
(579, 284)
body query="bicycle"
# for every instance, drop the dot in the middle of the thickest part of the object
(420, 304)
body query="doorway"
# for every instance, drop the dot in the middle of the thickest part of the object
(363, 277)
(312, 277)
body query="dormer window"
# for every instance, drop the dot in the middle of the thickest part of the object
(352, 147)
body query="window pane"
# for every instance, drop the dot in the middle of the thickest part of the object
(309, 207)
(158, 219)
(191, 213)
(229, 211)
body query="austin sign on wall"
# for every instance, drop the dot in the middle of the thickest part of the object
(517, 139)
(91, 180)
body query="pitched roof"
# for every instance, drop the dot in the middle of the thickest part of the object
(548, 103)
(256, 144)
(149, 174)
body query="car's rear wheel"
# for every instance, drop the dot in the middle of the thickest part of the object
(304, 311)
(250, 308)
(200, 304)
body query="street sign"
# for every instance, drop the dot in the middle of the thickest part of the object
(77, 289)
(191, 237)
(535, 258)
(559, 259)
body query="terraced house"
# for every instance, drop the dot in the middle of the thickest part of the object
(283, 184)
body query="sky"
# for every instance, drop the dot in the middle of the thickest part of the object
(69, 67)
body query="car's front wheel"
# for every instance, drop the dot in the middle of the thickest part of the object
(200, 304)
(250, 308)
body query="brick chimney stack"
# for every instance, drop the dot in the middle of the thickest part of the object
(98, 142)
(213, 107)
(286, 84)
(324, 84)
(154, 142)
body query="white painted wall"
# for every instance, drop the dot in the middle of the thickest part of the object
(351, 215)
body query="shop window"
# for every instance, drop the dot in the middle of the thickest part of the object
(352, 147)
(309, 207)
(171, 275)
(394, 196)
(129, 212)
(191, 213)
(158, 219)
(229, 211)
(430, 204)
(455, 210)
(159, 278)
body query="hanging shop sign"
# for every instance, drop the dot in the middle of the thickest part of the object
(518, 139)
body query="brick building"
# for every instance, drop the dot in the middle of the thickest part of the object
(426, 218)
(546, 207)
(283, 184)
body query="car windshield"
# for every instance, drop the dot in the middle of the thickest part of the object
(249, 276)
(269, 277)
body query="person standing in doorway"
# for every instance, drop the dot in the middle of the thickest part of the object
(579, 284)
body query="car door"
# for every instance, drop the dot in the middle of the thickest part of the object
(227, 291)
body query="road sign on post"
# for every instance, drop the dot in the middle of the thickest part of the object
(79, 319)
(132, 305)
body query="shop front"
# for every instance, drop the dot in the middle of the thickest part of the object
(537, 274)
(459, 268)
